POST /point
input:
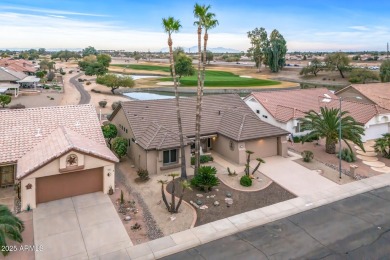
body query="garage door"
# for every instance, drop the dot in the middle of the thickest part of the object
(69, 184)
(375, 131)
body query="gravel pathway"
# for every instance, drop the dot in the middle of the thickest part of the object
(153, 231)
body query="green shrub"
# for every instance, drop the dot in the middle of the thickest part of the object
(347, 155)
(102, 103)
(307, 156)
(202, 159)
(119, 146)
(115, 105)
(297, 139)
(246, 181)
(143, 174)
(309, 139)
(17, 106)
(88, 83)
(205, 179)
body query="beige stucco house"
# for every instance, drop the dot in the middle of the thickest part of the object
(228, 127)
(54, 153)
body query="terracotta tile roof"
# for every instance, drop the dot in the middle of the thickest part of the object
(379, 93)
(281, 104)
(22, 129)
(7, 74)
(59, 142)
(154, 122)
(18, 65)
(361, 112)
(285, 105)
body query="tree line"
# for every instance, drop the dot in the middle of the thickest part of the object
(340, 62)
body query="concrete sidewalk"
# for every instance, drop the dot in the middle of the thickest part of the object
(292, 176)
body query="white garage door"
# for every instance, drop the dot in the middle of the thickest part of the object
(375, 131)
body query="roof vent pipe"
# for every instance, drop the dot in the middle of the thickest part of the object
(38, 133)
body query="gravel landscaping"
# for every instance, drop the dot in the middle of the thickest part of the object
(242, 200)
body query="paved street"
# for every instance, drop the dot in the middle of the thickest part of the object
(85, 97)
(354, 228)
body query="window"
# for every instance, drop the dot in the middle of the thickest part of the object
(258, 111)
(7, 175)
(231, 145)
(129, 142)
(126, 130)
(170, 156)
(265, 116)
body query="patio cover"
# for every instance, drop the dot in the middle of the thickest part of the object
(6, 86)
(29, 79)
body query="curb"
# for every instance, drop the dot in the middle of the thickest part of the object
(218, 229)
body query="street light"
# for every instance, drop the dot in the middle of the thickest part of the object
(340, 138)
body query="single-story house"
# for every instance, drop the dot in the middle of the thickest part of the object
(228, 127)
(20, 65)
(372, 93)
(11, 80)
(54, 153)
(283, 108)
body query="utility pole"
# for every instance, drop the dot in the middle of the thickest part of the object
(387, 57)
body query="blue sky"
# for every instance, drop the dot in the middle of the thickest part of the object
(136, 25)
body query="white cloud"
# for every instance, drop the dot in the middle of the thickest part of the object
(25, 31)
(359, 28)
(48, 11)
(56, 16)
(51, 30)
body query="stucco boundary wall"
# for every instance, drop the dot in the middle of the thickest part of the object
(218, 229)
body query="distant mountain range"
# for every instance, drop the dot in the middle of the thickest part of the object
(194, 49)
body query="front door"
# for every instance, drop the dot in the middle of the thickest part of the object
(7, 175)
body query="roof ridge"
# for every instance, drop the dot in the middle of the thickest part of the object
(155, 134)
(241, 126)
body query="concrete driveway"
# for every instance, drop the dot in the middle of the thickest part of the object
(292, 176)
(81, 227)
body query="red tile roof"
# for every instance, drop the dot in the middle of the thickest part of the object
(379, 93)
(59, 142)
(285, 105)
(18, 65)
(23, 129)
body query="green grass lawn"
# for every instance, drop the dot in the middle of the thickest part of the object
(213, 78)
(223, 79)
(143, 67)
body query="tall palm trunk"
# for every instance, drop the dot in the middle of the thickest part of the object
(330, 146)
(198, 104)
(173, 208)
(182, 147)
(180, 200)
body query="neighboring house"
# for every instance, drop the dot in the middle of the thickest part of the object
(19, 65)
(8, 75)
(12, 80)
(228, 127)
(54, 153)
(372, 93)
(284, 108)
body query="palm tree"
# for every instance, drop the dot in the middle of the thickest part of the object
(11, 228)
(326, 125)
(205, 20)
(163, 193)
(170, 26)
(382, 145)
